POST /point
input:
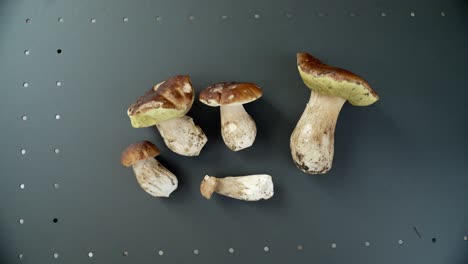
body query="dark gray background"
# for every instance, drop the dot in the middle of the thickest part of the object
(399, 164)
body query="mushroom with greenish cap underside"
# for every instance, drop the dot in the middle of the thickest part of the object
(247, 188)
(312, 141)
(238, 129)
(165, 106)
(153, 177)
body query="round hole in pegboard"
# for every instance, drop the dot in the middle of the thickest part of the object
(57, 116)
(93, 20)
(24, 117)
(90, 254)
(56, 186)
(28, 20)
(367, 244)
(21, 221)
(160, 252)
(333, 245)
(58, 83)
(266, 249)
(56, 255)
(195, 251)
(59, 51)
(60, 19)
(434, 240)
(27, 52)
(25, 84)
(22, 186)
(256, 16)
(23, 152)
(125, 253)
(231, 250)
(400, 242)
(57, 151)
(55, 220)
(412, 14)
(300, 247)
(20, 256)
(125, 19)
(158, 18)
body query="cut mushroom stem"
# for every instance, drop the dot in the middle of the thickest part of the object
(312, 141)
(247, 188)
(237, 127)
(154, 178)
(182, 136)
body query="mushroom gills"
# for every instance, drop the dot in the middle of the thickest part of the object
(238, 128)
(247, 188)
(154, 178)
(312, 141)
(182, 136)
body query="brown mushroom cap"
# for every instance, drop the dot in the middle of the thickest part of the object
(334, 81)
(138, 151)
(230, 93)
(166, 100)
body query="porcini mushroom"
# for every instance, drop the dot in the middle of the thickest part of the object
(238, 129)
(165, 106)
(247, 188)
(312, 141)
(153, 177)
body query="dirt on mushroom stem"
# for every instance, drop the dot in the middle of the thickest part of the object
(238, 128)
(182, 136)
(154, 178)
(312, 141)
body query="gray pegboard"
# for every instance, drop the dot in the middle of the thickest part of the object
(399, 164)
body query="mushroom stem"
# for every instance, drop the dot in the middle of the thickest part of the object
(182, 136)
(154, 178)
(247, 188)
(237, 127)
(312, 141)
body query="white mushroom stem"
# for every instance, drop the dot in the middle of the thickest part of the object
(182, 136)
(247, 188)
(154, 178)
(237, 127)
(312, 141)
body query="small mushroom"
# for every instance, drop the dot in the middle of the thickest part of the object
(247, 188)
(165, 106)
(237, 126)
(153, 177)
(312, 141)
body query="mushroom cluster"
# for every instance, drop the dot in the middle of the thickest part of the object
(311, 142)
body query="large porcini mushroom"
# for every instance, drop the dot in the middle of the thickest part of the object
(153, 177)
(165, 106)
(238, 129)
(312, 141)
(247, 188)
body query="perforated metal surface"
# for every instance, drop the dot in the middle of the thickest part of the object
(399, 177)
